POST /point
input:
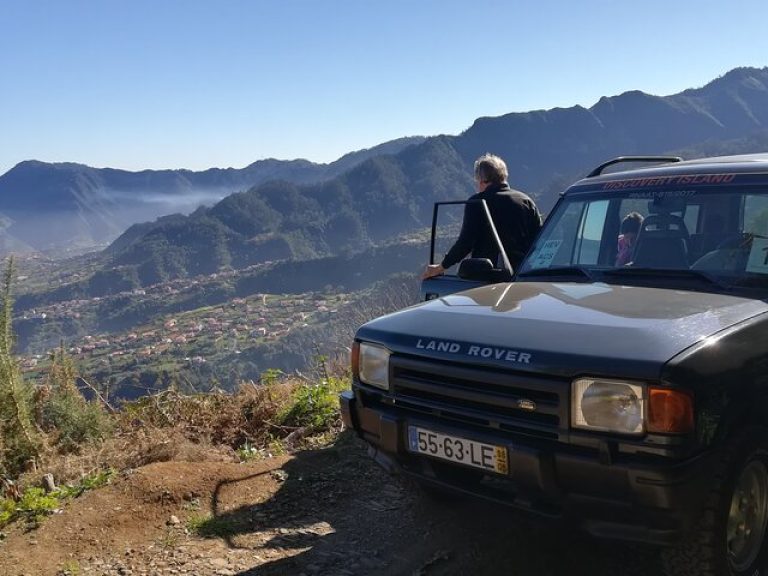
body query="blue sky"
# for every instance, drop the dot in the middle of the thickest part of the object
(149, 84)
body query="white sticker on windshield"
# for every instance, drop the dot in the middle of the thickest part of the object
(545, 254)
(758, 256)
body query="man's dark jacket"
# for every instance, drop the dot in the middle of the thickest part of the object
(515, 216)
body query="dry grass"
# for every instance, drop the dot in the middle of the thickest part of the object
(170, 426)
(218, 418)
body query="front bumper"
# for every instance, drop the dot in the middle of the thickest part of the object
(626, 499)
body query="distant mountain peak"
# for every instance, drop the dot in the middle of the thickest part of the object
(743, 76)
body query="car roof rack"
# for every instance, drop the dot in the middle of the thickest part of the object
(599, 170)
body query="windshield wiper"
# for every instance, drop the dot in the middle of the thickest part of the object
(667, 273)
(558, 271)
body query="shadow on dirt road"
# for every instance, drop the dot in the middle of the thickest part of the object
(337, 513)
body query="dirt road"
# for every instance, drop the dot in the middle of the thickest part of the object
(329, 511)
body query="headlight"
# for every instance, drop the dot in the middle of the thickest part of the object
(374, 365)
(608, 406)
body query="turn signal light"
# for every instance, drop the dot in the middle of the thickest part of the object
(355, 359)
(670, 411)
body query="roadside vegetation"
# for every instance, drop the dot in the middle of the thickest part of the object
(60, 437)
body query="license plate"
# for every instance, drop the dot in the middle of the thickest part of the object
(459, 450)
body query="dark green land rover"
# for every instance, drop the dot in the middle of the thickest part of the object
(625, 392)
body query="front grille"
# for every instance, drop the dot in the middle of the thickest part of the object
(479, 397)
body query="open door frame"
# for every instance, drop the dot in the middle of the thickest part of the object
(443, 285)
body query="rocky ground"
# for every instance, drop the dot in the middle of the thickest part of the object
(320, 512)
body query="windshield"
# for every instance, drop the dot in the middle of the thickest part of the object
(715, 237)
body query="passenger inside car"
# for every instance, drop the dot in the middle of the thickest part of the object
(630, 226)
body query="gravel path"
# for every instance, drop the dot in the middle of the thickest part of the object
(323, 512)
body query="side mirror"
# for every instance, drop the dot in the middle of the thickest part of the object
(475, 269)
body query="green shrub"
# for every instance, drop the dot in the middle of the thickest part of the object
(35, 504)
(271, 376)
(70, 568)
(7, 511)
(247, 452)
(315, 405)
(90, 482)
(19, 440)
(73, 421)
(65, 413)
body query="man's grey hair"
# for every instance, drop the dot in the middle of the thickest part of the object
(491, 168)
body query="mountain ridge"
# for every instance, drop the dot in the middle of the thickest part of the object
(389, 194)
(393, 194)
(101, 203)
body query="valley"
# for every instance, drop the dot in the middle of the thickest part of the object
(206, 332)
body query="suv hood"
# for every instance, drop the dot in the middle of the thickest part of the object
(562, 328)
